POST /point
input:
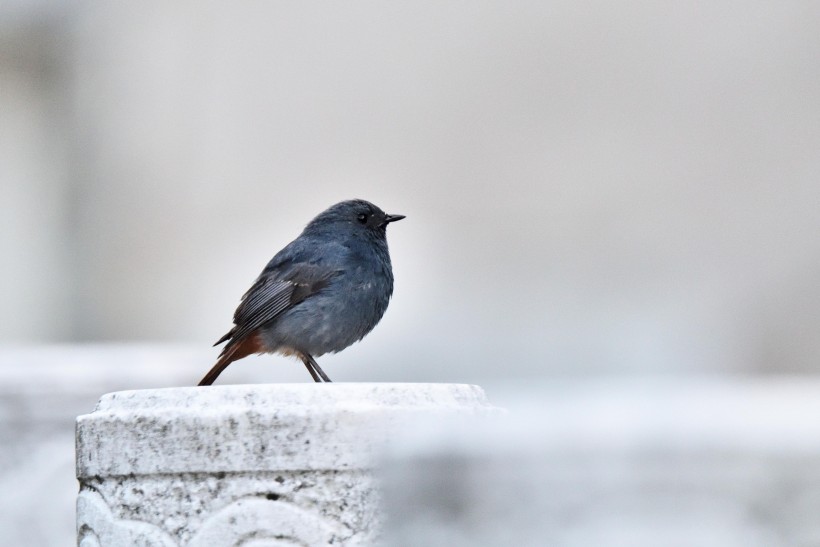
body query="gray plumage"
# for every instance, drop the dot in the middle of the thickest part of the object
(324, 291)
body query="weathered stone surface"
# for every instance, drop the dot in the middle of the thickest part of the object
(276, 464)
(42, 390)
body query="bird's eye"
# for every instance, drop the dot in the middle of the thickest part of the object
(362, 218)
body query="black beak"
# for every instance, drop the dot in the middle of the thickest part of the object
(392, 218)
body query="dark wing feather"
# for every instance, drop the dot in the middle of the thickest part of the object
(267, 300)
(274, 292)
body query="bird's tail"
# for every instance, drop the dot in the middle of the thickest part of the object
(233, 351)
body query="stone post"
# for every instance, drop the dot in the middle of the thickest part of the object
(261, 465)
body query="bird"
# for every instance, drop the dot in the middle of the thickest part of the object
(324, 291)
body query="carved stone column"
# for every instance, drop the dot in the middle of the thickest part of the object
(261, 465)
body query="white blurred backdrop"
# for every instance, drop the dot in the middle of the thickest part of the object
(617, 188)
(589, 186)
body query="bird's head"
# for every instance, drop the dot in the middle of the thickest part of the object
(355, 216)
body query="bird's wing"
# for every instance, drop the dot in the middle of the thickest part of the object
(274, 292)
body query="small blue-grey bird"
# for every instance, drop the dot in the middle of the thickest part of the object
(324, 291)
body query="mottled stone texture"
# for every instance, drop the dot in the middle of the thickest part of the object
(254, 465)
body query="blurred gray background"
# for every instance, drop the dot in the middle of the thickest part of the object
(616, 188)
(589, 186)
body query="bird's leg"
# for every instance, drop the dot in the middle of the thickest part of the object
(313, 367)
(316, 367)
(310, 368)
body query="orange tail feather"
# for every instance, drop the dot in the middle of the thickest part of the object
(251, 344)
